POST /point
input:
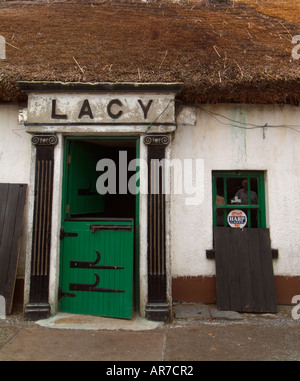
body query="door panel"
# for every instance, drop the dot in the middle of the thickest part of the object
(82, 195)
(98, 268)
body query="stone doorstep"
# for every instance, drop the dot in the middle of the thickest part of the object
(89, 322)
(196, 311)
(226, 315)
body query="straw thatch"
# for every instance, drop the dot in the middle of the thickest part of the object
(222, 51)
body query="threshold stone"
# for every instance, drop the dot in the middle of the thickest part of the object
(227, 315)
(198, 311)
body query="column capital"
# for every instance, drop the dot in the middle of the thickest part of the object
(44, 139)
(157, 140)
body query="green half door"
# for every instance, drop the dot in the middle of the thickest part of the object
(98, 268)
(97, 240)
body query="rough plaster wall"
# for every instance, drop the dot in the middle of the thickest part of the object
(15, 157)
(15, 147)
(223, 146)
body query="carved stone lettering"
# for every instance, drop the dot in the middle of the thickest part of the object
(85, 110)
(145, 108)
(109, 107)
(54, 115)
(97, 109)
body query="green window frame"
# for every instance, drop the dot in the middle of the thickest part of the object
(224, 188)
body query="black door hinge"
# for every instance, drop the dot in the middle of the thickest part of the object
(67, 294)
(64, 234)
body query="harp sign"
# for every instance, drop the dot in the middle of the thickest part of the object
(237, 219)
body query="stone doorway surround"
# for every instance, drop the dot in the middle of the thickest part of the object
(56, 110)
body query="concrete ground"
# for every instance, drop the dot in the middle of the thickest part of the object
(198, 333)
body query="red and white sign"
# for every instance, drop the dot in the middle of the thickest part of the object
(237, 219)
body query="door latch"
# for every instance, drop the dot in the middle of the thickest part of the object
(64, 234)
(97, 228)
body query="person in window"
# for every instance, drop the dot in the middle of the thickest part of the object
(242, 194)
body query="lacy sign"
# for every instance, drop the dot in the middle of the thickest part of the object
(101, 109)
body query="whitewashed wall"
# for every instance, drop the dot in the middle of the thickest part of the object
(15, 159)
(223, 146)
(15, 147)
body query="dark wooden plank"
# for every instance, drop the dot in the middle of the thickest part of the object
(275, 253)
(222, 242)
(210, 253)
(7, 236)
(3, 201)
(244, 270)
(233, 270)
(15, 248)
(241, 240)
(267, 271)
(11, 227)
(256, 271)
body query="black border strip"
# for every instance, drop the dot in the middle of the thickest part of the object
(100, 124)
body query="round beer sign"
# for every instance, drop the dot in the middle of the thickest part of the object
(237, 219)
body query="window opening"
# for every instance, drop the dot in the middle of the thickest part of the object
(239, 190)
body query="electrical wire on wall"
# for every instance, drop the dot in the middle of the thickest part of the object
(232, 122)
(245, 125)
(163, 111)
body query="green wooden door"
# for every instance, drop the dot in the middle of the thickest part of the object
(96, 265)
(82, 197)
(98, 268)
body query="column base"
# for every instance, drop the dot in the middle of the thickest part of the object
(37, 311)
(158, 312)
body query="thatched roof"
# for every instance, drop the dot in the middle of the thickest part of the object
(222, 51)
